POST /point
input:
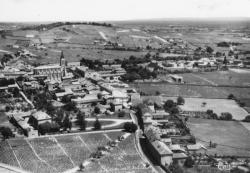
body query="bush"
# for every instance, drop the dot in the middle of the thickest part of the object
(226, 116)
(67, 124)
(247, 119)
(241, 104)
(112, 107)
(231, 96)
(130, 127)
(180, 100)
(157, 93)
(48, 128)
(97, 110)
(70, 106)
(121, 114)
(97, 125)
(189, 163)
(214, 116)
(176, 168)
(81, 121)
(174, 110)
(6, 132)
(169, 104)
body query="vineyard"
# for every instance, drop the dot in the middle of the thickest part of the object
(62, 152)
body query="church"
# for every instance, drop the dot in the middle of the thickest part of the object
(54, 73)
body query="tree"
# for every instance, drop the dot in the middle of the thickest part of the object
(44, 128)
(59, 116)
(214, 116)
(15, 92)
(48, 127)
(180, 100)
(231, 96)
(168, 105)
(209, 50)
(174, 110)
(225, 60)
(192, 140)
(247, 119)
(67, 124)
(176, 168)
(189, 163)
(112, 107)
(130, 127)
(7, 108)
(50, 109)
(226, 116)
(99, 96)
(121, 114)
(66, 99)
(157, 93)
(70, 106)
(97, 124)
(97, 110)
(210, 112)
(6, 132)
(81, 120)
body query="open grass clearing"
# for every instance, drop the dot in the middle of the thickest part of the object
(232, 137)
(217, 105)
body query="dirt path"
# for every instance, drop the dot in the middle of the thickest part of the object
(205, 79)
(103, 35)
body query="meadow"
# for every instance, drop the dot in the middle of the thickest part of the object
(232, 138)
(230, 77)
(217, 105)
(191, 90)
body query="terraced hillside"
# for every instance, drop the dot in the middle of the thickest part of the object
(63, 152)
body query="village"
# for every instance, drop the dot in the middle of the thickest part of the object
(92, 95)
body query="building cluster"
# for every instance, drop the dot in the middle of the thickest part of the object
(65, 83)
(168, 138)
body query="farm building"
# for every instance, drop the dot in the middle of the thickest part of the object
(162, 153)
(38, 118)
(176, 78)
(196, 148)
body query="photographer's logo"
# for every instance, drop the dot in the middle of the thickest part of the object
(224, 167)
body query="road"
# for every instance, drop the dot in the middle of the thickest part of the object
(156, 169)
(115, 123)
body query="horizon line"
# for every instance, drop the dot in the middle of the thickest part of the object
(141, 19)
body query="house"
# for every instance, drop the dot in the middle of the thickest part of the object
(22, 122)
(196, 148)
(176, 78)
(87, 99)
(180, 158)
(159, 115)
(38, 118)
(147, 118)
(60, 95)
(176, 148)
(161, 153)
(167, 141)
(119, 97)
(73, 64)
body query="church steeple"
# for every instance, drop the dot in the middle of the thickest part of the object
(62, 59)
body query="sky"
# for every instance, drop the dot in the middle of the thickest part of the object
(108, 10)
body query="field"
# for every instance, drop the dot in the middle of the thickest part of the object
(230, 77)
(191, 91)
(62, 152)
(79, 41)
(217, 105)
(231, 137)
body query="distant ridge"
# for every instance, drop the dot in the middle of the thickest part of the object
(186, 19)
